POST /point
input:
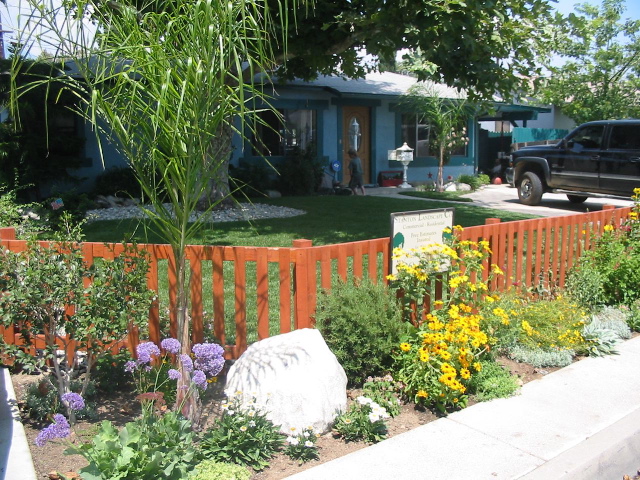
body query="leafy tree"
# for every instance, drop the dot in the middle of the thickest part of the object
(447, 119)
(599, 55)
(166, 86)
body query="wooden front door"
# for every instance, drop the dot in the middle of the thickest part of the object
(356, 134)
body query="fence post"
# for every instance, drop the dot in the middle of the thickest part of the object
(301, 294)
(7, 233)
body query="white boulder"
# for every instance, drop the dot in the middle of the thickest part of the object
(295, 376)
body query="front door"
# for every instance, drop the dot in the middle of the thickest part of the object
(356, 134)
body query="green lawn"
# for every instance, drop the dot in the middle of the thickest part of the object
(329, 219)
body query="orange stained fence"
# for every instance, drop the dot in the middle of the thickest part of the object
(242, 294)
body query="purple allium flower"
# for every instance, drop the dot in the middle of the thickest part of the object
(173, 374)
(209, 358)
(145, 351)
(200, 379)
(59, 429)
(74, 400)
(187, 363)
(171, 345)
(130, 366)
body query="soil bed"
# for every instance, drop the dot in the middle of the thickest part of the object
(121, 408)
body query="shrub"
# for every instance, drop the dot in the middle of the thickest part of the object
(585, 284)
(243, 435)
(600, 339)
(250, 180)
(108, 372)
(493, 381)
(541, 358)
(472, 180)
(74, 205)
(361, 324)
(613, 319)
(212, 470)
(119, 182)
(43, 399)
(301, 173)
(152, 447)
(634, 316)
(365, 420)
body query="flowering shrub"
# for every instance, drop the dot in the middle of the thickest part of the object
(243, 435)
(302, 446)
(365, 420)
(438, 358)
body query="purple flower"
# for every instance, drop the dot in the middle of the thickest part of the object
(59, 429)
(74, 400)
(173, 374)
(200, 379)
(130, 366)
(209, 358)
(171, 345)
(187, 363)
(145, 351)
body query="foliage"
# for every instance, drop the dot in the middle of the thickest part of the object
(439, 356)
(361, 324)
(447, 119)
(212, 470)
(613, 263)
(594, 67)
(484, 179)
(541, 358)
(614, 319)
(585, 283)
(75, 206)
(600, 340)
(43, 281)
(118, 181)
(43, 400)
(301, 172)
(383, 391)
(535, 322)
(493, 381)
(474, 181)
(23, 217)
(156, 446)
(302, 446)
(634, 316)
(107, 371)
(243, 435)
(251, 180)
(364, 420)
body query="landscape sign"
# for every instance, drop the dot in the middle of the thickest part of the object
(418, 228)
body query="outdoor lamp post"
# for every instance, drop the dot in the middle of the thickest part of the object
(404, 156)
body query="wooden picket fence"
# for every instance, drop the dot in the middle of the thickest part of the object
(280, 285)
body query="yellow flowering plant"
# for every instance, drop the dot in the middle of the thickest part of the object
(437, 359)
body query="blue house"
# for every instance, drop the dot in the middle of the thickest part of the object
(334, 115)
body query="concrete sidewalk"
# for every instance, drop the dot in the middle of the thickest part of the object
(15, 456)
(581, 422)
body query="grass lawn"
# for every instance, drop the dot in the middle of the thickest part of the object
(329, 219)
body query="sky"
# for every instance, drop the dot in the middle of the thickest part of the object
(9, 15)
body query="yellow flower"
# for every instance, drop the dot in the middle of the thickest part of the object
(405, 347)
(422, 394)
(608, 228)
(438, 303)
(477, 366)
(458, 228)
(392, 277)
(465, 373)
(446, 230)
(496, 269)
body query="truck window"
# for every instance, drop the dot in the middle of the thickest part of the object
(588, 137)
(625, 137)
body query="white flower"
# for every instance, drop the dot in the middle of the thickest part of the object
(363, 400)
(306, 434)
(224, 406)
(252, 423)
(293, 441)
(230, 412)
(308, 443)
(243, 428)
(373, 417)
(251, 413)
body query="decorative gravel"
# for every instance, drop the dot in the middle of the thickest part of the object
(242, 211)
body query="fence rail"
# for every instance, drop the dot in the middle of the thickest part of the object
(285, 282)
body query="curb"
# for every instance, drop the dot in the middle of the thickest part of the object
(15, 457)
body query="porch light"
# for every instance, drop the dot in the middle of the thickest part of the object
(404, 155)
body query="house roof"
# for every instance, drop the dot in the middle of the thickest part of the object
(374, 83)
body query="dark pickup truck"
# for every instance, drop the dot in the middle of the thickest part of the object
(597, 159)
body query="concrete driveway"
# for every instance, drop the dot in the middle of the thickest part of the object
(504, 197)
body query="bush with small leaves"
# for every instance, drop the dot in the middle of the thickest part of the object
(493, 381)
(212, 470)
(614, 319)
(541, 358)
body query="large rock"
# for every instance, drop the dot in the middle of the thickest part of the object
(296, 376)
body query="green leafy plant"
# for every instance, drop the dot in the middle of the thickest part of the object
(585, 283)
(600, 340)
(302, 446)
(156, 446)
(301, 172)
(361, 324)
(364, 420)
(212, 470)
(614, 319)
(493, 381)
(541, 358)
(43, 399)
(107, 371)
(44, 283)
(243, 435)
(383, 391)
(24, 217)
(474, 181)
(120, 182)
(634, 316)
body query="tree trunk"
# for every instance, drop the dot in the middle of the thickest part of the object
(217, 166)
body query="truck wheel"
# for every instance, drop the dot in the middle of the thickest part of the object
(530, 189)
(577, 198)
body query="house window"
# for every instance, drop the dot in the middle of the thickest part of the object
(285, 132)
(416, 132)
